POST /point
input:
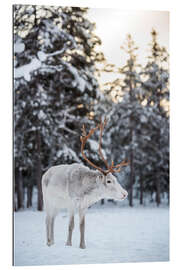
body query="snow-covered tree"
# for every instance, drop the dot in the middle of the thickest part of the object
(155, 75)
(54, 83)
(135, 129)
(126, 112)
(155, 86)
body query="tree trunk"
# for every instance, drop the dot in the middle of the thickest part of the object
(157, 183)
(131, 179)
(39, 172)
(141, 190)
(158, 197)
(29, 196)
(102, 201)
(20, 195)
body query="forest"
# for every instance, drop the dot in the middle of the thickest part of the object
(58, 63)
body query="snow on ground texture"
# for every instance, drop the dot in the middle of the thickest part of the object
(113, 235)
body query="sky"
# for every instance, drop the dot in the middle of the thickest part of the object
(113, 25)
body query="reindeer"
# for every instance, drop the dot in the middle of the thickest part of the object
(76, 187)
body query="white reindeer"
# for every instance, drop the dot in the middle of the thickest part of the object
(76, 187)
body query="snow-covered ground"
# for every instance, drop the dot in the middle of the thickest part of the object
(114, 234)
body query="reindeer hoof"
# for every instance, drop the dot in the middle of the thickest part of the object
(83, 246)
(68, 243)
(50, 243)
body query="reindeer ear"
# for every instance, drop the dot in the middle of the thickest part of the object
(87, 178)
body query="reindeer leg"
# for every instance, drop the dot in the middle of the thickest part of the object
(50, 230)
(70, 230)
(82, 228)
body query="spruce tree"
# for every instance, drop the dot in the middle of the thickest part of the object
(55, 88)
(155, 85)
(125, 112)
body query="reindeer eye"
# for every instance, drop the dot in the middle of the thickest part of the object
(108, 181)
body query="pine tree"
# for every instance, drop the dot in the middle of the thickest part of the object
(140, 123)
(156, 92)
(126, 112)
(55, 87)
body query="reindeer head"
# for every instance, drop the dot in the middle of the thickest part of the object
(109, 187)
(107, 183)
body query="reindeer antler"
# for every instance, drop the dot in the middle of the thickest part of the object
(123, 163)
(85, 137)
(101, 126)
(112, 166)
